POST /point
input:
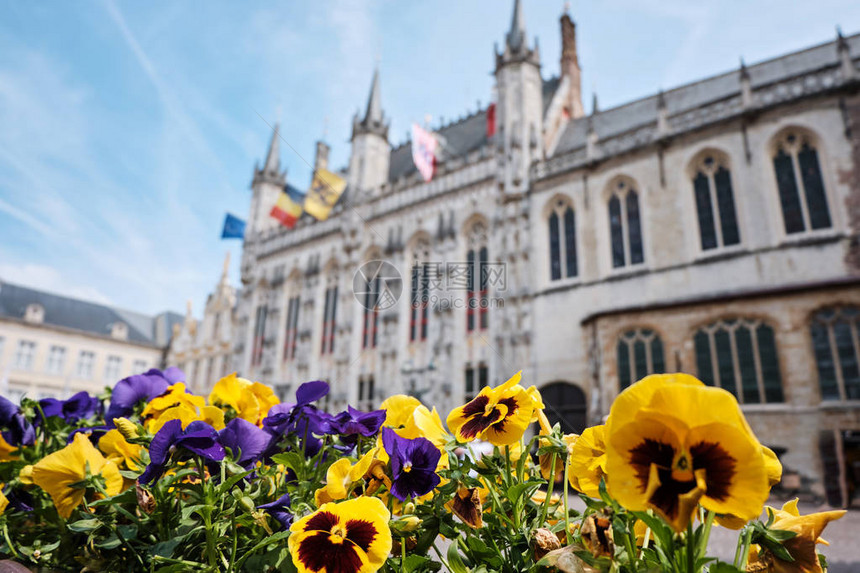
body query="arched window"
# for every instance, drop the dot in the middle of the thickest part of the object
(715, 202)
(640, 353)
(565, 404)
(259, 334)
(800, 184)
(478, 279)
(422, 274)
(739, 355)
(625, 227)
(836, 343)
(562, 241)
(329, 316)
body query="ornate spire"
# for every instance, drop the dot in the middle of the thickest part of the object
(273, 159)
(374, 102)
(516, 38)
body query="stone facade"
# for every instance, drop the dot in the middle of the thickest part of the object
(204, 349)
(670, 212)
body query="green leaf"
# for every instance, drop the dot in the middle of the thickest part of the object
(721, 567)
(515, 492)
(164, 548)
(455, 562)
(84, 525)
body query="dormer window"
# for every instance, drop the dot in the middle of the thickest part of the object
(35, 313)
(119, 330)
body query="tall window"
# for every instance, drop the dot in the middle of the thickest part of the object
(112, 368)
(640, 353)
(291, 335)
(562, 241)
(86, 361)
(329, 314)
(625, 227)
(476, 378)
(801, 186)
(740, 356)
(366, 393)
(715, 203)
(370, 322)
(25, 354)
(56, 360)
(420, 301)
(259, 334)
(478, 280)
(139, 367)
(836, 343)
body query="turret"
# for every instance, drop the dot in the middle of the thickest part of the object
(371, 153)
(570, 67)
(267, 185)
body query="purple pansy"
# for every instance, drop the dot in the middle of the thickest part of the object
(78, 407)
(198, 438)
(279, 509)
(18, 430)
(413, 465)
(246, 441)
(140, 387)
(354, 422)
(302, 418)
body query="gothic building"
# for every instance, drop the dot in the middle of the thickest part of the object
(713, 228)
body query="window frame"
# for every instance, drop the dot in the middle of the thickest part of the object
(708, 164)
(620, 189)
(560, 257)
(629, 337)
(90, 365)
(817, 319)
(52, 365)
(28, 355)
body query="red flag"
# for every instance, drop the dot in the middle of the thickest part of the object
(491, 120)
(424, 151)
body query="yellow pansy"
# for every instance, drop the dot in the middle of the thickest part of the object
(57, 471)
(588, 461)
(115, 447)
(251, 400)
(424, 423)
(4, 501)
(672, 442)
(545, 460)
(25, 476)
(398, 409)
(174, 396)
(340, 477)
(349, 537)
(498, 415)
(6, 450)
(802, 546)
(210, 414)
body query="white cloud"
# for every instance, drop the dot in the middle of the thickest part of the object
(43, 277)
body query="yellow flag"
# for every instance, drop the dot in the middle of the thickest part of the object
(326, 189)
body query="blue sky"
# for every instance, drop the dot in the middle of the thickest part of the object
(127, 130)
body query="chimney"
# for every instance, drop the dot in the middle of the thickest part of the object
(570, 67)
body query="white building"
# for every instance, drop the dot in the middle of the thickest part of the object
(713, 228)
(55, 346)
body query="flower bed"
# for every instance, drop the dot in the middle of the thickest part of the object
(165, 481)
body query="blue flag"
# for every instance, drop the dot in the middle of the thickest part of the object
(234, 227)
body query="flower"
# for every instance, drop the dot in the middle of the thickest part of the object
(198, 438)
(398, 409)
(4, 501)
(498, 415)
(413, 465)
(6, 450)
(467, 504)
(545, 460)
(802, 546)
(352, 422)
(341, 475)
(78, 407)
(279, 509)
(283, 417)
(246, 441)
(672, 442)
(175, 395)
(118, 450)
(19, 431)
(129, 392)
(250, 400)
(347, 537)
(186, 414)
(588, 461)
(57, 472)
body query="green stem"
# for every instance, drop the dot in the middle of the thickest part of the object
(566, 509)
(549, 489)
(441, 558)
(9, 541)
(706, 533)
(235, 543)
(508, 484)
(402, 554)
(211, 556)
(743, 550)
(691, 551)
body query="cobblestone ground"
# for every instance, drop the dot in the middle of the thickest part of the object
(843, 554)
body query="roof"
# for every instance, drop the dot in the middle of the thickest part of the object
(84, 316)
(689, 97)
(460, 138)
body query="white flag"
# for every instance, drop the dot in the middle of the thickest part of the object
(424, 146)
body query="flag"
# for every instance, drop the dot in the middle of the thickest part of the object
(288, 209)
(491, 120)
(424, 151)
(234, 227)
(326, 189)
